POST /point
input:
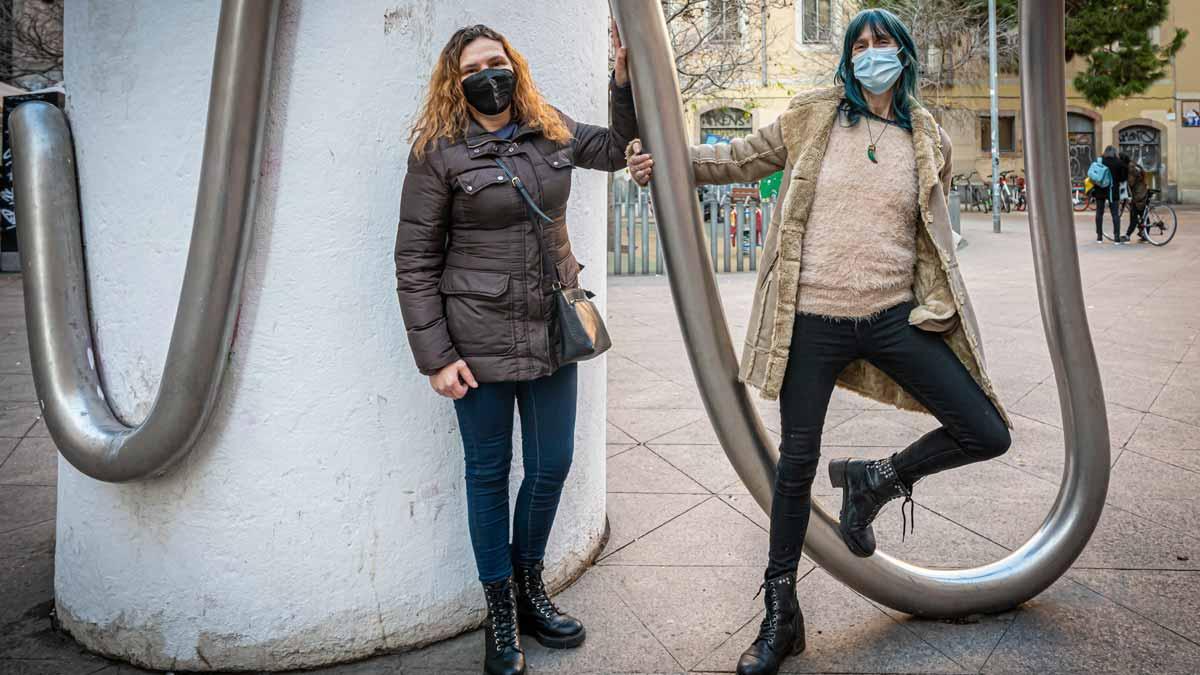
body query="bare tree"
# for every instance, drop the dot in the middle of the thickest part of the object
(718, 44)
(31, 41)
(952, 39)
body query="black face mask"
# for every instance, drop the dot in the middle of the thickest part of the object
(490, 91)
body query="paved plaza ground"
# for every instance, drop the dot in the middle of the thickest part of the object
(674, 589)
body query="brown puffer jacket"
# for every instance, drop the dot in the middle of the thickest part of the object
(469, 264)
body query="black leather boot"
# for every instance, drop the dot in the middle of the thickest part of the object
(539, 616)
(866, 486)
(781, 633)
(504, 655)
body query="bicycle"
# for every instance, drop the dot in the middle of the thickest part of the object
(1081, 199)
(1158, 223)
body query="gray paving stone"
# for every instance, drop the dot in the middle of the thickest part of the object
(616, 436)
(639, 470)
(1126, 540)
(1143, 486)
(1070, 628)
(935, 541)
(613, 449)
(1170, 599)
(16, 419)
(712, 534)
(748, 507)
(845, 633)
(1159, 432)
(1042, 405)
(643, 425)
(967, 641)
(1178, 402)
(691, 610)
(22, 505)
(1185, 373)
(631, 515)
(39, 429)
(892, 428)
(705, 464)
(617, 640)
(1183, 459)
(17, 388)
(33, 462)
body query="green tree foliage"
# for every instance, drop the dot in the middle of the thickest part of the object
(1113, 36)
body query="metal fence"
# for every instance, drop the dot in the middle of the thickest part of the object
(735, 221)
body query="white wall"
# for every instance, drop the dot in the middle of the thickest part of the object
(322, 516)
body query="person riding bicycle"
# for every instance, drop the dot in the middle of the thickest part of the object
(1139, 195)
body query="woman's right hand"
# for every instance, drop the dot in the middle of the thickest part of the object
(452, 380)
(641, 165)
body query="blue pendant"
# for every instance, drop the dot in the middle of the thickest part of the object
(871, 153)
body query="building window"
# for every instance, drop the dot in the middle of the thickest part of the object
(1008, 136)
(725, 20)
(722, 125)
(814, 19)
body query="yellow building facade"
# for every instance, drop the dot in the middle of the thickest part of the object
(1160, 127)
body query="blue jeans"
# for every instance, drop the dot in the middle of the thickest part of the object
(485, 418)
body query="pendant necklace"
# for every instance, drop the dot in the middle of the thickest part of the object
(874, 139)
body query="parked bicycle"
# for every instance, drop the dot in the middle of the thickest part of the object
(1158, 223)
(1081, 199)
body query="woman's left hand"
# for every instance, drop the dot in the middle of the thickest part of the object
(620, 71)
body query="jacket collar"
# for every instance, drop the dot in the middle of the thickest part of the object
(477, 135)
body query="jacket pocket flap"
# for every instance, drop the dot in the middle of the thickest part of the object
(475, 180)
(561, 159)
(456, 281)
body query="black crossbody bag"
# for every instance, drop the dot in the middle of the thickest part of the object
(581, 331)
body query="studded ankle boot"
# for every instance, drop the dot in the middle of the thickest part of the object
(504, 655)
(539, 616)
(866, 486)
(781, 633)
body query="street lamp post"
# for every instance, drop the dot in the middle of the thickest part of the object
(995, 116)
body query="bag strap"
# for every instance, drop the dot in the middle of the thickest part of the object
(533, 209)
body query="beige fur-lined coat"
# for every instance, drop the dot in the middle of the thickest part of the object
(796, 143)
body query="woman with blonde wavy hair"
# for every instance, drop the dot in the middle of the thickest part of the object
(482, 242)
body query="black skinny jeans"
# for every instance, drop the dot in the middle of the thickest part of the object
(1103, 195)
(921, 362)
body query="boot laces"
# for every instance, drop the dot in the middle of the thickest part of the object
(908, 521)
(770, 623)
(503, 617)
(534, 589)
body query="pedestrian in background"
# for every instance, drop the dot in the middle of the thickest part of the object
(1110, 194)
(1139, 194)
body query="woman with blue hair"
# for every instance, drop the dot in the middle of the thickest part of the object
(859, 287)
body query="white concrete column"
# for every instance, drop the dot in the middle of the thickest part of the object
(322, 517)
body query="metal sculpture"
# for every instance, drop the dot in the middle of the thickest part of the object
(1050, 551)
(99, 445)
(63, 355)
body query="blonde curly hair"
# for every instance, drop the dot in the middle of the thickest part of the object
(444, 112)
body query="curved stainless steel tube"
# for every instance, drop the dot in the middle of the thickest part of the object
(60, 340)
(925, 592)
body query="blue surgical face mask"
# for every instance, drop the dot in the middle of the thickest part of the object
(878, 68)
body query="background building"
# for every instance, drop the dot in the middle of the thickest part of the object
(802, 41)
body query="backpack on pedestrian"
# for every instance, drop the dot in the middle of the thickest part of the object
(1099, 174)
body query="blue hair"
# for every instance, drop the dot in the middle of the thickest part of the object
(904, 91)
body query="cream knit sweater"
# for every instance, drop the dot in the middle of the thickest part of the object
(860, 242)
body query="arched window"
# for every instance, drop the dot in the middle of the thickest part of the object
(1144, 145)
(1081, 142)
(724, 124)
